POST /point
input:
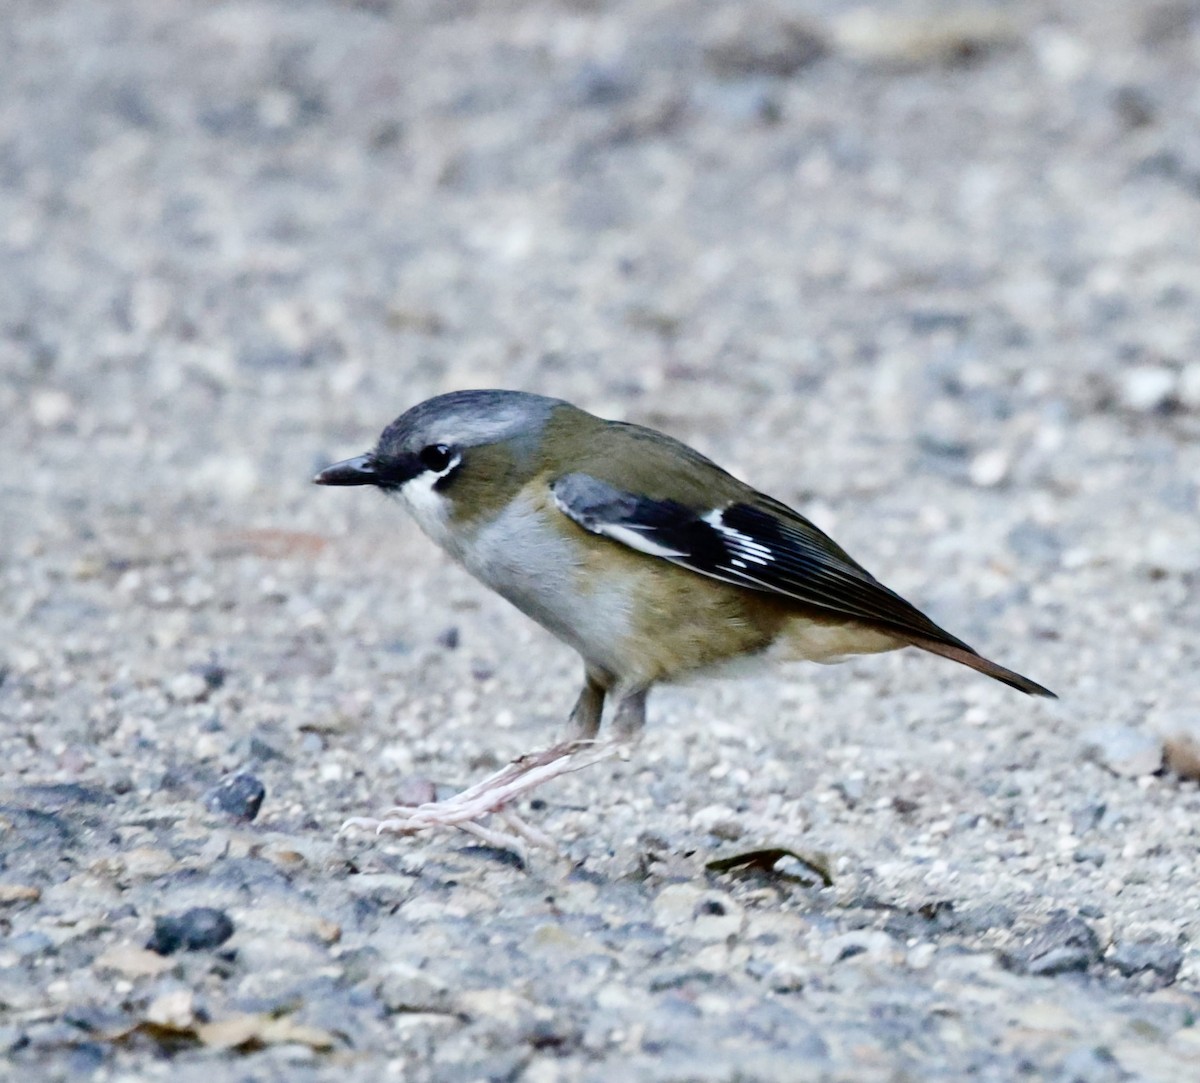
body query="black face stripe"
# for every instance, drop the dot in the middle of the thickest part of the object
(393, 471)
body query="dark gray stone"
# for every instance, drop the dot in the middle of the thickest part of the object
(1134, 957)
(197, 929)
(1063, 944)
(239, 796)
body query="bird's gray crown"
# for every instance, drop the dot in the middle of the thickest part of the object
(467, 419)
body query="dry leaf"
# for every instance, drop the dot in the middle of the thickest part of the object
(253, 1031)
(132, 962)
(11, 894)
(766, 858)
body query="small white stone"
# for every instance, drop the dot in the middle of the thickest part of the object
(871, 943)
(789, 976)
(188, 688)
(920, 956)
(989, 468)
(677, 903)
(711, 915)
(208, 746)
(718, 821)
(50, 407)
(278, 109)
(133, 962)
(175, 1009)
(1147, 388)
(1179, 728)
(1062, 56)
(1170, 548)
(196, 592)
(725, 920)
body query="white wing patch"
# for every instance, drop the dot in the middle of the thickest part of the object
(746, 547)
(636, 540)
(626, 535)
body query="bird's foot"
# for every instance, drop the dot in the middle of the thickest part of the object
(491, 798)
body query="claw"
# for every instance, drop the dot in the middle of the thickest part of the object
(491, 797)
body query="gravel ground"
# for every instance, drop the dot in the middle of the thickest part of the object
(927, 272)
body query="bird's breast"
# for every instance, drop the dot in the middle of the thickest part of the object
(528, 555)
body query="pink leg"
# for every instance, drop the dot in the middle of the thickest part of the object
(492, 796)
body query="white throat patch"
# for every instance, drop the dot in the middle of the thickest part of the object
(426, 505)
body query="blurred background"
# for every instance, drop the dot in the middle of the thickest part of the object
(915, 267)
(925, 269)
(940, 228)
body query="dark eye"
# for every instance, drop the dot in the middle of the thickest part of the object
(436, 457)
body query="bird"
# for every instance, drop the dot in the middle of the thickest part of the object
(647, 558)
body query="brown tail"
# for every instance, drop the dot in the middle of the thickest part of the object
(968, 657)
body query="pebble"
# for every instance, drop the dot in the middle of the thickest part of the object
(1179, 728)
(989, 468)
(920, 956)
(51, 408)
(239, 796)
(290, 921)
(1063, 944)
(707, 915)
(148, 862)
(950, 36)
(717, 918)
(133, 962)
(414, 790)
(1146, 388)
(407, 988)
(175, 1008)
(872, 943)
(212, 673)
(19, 894)
(501, 1005)
(676, 904)
(719, 821)
(756, 38)
(189, 687)
(1131, 957)
(1125, 751)
(194, 930)
(600, 85)
(852, 790)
